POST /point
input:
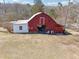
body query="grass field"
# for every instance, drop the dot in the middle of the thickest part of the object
(38, 46)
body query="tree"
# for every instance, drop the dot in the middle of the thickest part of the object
(53, 13)
(16, 6)
(4, 7)
(60, 8)
(38, 2)
(22, 11)
(10, 17)
(60, 5)
(37, 7)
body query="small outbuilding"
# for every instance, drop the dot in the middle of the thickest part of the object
(38, 23)
(20, 26)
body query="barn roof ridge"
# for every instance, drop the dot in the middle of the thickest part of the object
(35, 15)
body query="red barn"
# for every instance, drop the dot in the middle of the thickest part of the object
(41, 22)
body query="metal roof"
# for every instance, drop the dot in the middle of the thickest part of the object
(19, 22)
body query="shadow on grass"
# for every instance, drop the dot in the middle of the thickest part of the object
(65, 33)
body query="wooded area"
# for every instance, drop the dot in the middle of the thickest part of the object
(67, 14)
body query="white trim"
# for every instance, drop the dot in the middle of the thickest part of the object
(35, 15)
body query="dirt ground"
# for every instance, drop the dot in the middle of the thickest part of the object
(38, 46)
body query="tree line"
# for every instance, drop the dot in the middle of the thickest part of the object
(18, 11)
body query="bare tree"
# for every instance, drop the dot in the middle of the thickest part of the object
(4, 6)
(77, 11)
(67, 13)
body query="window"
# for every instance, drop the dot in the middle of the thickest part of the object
(42, 20)
(20, 27)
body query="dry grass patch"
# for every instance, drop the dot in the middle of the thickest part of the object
(38, 46)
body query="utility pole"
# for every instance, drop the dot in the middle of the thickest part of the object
(67, 13)
(4, 6)
(77, 20)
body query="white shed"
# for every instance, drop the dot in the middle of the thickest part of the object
(20, 26)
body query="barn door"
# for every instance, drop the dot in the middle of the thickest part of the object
(42, 21)
(41, 27)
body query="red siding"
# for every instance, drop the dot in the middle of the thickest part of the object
(49, 22)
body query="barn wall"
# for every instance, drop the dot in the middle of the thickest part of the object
(16, 28)
(33, 24)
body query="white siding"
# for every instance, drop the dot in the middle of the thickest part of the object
(17, 30)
